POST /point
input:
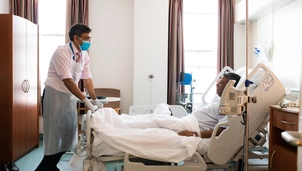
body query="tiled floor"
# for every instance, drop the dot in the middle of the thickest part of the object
(30, 161)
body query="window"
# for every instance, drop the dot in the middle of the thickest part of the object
(200, 44)
(52, 21)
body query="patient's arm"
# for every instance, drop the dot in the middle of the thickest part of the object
(203, 134)
(188, 133)
(208, 133)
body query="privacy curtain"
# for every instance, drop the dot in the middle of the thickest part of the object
(175, 48)
(25, 8)
(76, 12)
(225, 52)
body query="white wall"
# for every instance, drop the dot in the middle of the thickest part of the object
(239, 46)
(112, 46)
(4, 6)
(130, 43)
(240, 49)
(287, 44)
(258, 8)
(282, 30)
(150, 51)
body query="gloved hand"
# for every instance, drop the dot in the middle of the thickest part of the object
(89, 105)
(97, 103)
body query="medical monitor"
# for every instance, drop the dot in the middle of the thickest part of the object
(185, 78)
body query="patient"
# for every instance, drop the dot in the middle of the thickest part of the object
(208, 116)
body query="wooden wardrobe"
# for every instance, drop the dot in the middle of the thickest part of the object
(19, 87)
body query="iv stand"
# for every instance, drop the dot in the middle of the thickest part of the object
(246, 117)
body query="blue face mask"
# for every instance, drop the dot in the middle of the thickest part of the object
(85, 46)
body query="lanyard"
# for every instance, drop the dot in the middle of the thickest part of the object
(71, 50)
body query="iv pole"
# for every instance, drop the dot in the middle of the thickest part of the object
(246, 116)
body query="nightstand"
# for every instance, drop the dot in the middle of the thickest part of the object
(282, 156)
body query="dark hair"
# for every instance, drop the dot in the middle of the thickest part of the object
(78, 29)
(232, 76)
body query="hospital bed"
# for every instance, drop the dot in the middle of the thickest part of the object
(222, 149)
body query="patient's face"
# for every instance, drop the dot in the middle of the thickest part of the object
(221, 83)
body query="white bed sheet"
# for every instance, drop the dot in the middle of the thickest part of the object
(151, 136)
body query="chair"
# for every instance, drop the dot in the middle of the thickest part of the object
(110, 92)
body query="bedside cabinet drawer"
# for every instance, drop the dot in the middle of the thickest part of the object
(286, 121)
(282, 156)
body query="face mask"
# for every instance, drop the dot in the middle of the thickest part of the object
(85, 46)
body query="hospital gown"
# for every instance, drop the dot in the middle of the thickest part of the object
(208, 115)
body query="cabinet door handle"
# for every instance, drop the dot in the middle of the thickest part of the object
(27, 85)
(271, 160)
(24, 86)
(286, 122)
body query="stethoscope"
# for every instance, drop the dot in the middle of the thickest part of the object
(70, 45)
(78, 65)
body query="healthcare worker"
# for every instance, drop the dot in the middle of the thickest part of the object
(68, 65)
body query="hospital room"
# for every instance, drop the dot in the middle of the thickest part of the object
(153, 64)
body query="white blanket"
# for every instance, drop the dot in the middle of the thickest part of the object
(150, 136)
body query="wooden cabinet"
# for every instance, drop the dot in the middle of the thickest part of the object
(282, 156)
(19, 87)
